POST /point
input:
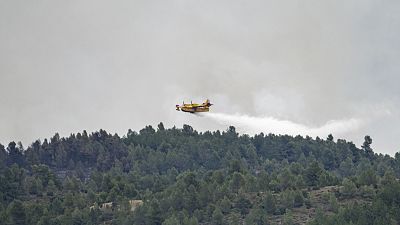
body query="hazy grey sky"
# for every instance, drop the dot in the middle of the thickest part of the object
(66, 66)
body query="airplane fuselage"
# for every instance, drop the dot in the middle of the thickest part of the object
(194, 110)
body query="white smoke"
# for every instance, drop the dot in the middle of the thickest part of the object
(253, 125)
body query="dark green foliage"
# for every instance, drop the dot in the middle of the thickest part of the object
(16, 212)
(243, 205)
(269, 203)
(186, 177)
(256, 217)
(217, 217)
(367, 147)
(312, 174)
(348, 188)
(15, 154)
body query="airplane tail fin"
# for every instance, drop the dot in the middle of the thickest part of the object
(207, 103)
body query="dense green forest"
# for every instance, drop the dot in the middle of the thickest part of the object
(181, 176)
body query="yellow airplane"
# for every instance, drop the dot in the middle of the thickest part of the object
(194, 108)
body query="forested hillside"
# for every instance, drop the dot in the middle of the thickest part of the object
(181, 176)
